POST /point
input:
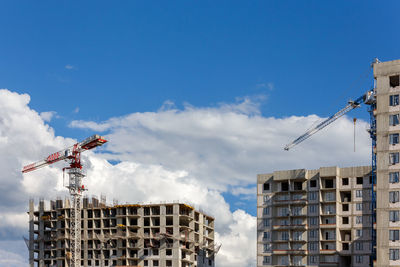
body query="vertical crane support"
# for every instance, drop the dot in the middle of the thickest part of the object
(372, 134)
(73, 156)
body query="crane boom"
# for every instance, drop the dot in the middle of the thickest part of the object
(367, 98)
(73, 156)
(68, 153)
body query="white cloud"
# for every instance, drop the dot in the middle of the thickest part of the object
(25, 138)
(228, 144)
(48, 115)
(76, 110)
(237, 191)
(193, 155)
(69, 67)
(239, 244)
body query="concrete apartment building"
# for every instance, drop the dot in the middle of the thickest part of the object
(165, 235)
(332, 241)
(387, 112)
(314, 217)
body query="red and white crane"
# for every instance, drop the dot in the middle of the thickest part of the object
(73, 156)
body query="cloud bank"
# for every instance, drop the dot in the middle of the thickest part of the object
(194, 154)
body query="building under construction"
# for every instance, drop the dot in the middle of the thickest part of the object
(172, 234)
(281, 244)
(315, 217)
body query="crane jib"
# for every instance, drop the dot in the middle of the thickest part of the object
(368, 98)
(53, 157)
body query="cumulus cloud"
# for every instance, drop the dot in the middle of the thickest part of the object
(25, 137)
(192, 154)
(228, 144)
(48, 115)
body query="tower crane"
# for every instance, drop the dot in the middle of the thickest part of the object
(369, 99)
(73, 156)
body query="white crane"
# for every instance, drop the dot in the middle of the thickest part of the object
(73, 156)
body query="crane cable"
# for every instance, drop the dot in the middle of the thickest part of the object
(354, 140)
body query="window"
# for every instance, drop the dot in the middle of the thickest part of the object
(297, 236)
(359, 246)
(266, 222)
(313, 246)
(359, 259)
(155, 263)
(296, 211)
(329, 183)
(329, 196)
(393, 235)
(297, 221)
(284, 236)
(358, 206)
(359, 193)
(345, 207)
(267, 247)
(358, 219)
(359, 232)
(393, 139)
(266, 260)
(313, 221)
(285, 222)
(345, 220)
(298, 186)
(330, 209)
(393, 177)
(393, 119)
(146, 263)
(359, 180)
(394, 254)
(266, 199)
(312, 195)
(266, 211)
(394, 80)
(394, 196)
(313, 233)
(313, 183)
(345, 181)
(394, 100)
(284, 186)
(266, 186)
(394, 215)
(266, 235)
(313, 259)
(284, 211)
(312, 208)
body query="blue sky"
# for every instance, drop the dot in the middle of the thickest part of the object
(133, 55)
(100, 61)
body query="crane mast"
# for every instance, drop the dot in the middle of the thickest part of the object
(73, 156)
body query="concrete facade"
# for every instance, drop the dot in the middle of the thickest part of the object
(314, 217)
(387, 91)
(165, 235)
